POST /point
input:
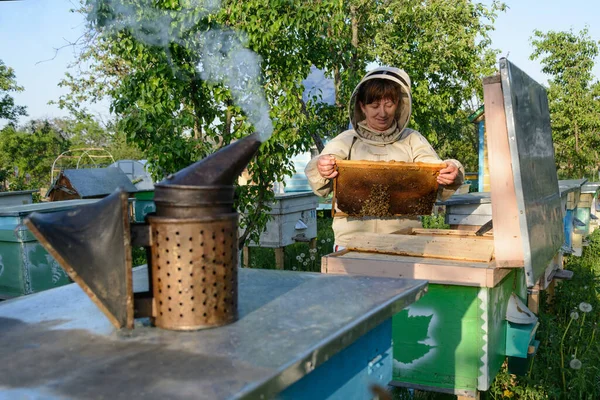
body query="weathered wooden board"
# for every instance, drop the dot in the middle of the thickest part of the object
(449, 248)
(505, 212)
(451, 233)
(435, 270)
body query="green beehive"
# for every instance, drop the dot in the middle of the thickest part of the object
(25, 266)
(143, 205)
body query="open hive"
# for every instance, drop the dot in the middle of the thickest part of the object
(385, 188)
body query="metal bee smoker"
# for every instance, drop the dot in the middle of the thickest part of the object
(191, 242)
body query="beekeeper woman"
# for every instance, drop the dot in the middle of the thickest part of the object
(380, 109)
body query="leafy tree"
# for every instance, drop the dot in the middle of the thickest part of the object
(168, 70)
(87, 132)
(26, 155)
(574, 99)
(8, 83)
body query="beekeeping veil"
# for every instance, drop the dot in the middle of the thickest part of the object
(395, 75)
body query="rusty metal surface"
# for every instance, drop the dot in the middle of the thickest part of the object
(397, 188)
(92, 244)
(58, 345)
(194, 271)
(534, 169)
(186, 201)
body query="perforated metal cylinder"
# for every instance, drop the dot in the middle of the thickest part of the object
(194, 271)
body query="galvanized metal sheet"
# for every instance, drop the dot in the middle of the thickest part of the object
(467, 198)
(570, 185)
(534, 168)
(57, 344)
(26, 209)
(95, 182)
(591, 187)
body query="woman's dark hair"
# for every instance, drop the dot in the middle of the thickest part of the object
(376, 89)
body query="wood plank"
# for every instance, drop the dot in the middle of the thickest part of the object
(449, 248)
(447, 272)
(279, 257)
(585, 200)
(451, 232)
(505, 213)
(462, 227)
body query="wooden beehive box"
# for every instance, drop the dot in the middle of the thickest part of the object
(293, 215)
(454, 339)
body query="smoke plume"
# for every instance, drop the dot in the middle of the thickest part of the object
(224, 58)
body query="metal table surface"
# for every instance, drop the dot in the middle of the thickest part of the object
(57, 345)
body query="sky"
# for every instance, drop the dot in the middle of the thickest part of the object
(32, 30)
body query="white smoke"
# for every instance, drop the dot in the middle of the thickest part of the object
(226, 60)
(224, 57)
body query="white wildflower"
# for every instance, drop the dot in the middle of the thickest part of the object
(312, 258)
(305, 263)
(585, 307)
(293, 268)
(322, 240)
(302, 255)
(574, 315)
(298, 258)
(575, 364)
(328, 239)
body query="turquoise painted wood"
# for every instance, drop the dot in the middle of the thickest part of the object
(583, 215)
(349, 374)
(454, 338)
(568, 227)
(518, 338)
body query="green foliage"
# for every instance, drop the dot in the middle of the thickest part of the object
(8, 83)
(434, 222)
(27, 154)
(574, 99)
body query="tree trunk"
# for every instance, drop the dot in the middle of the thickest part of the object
(228, 118)
(354, 22)
(576, 137)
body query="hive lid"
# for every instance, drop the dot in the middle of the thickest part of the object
(385, 188)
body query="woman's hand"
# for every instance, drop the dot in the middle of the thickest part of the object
(326, 166)
(448, 175)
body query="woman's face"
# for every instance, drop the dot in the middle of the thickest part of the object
(380, 114)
